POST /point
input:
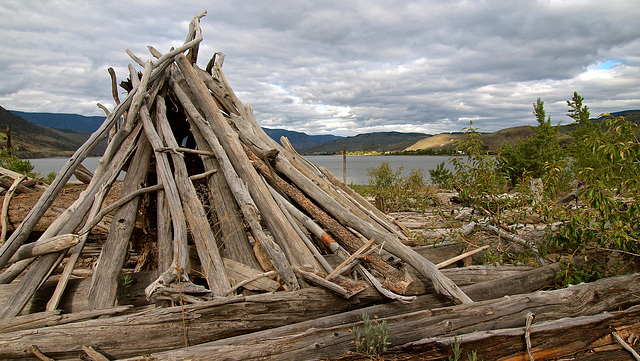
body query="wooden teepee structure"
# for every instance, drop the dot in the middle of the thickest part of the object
(273, 213)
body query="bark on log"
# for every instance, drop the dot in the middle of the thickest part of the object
(395, 279)
(509, 312)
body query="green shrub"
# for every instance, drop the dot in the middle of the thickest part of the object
(374, 340)
(538, 156)
(477, 179)
(400, 193)
(11, 162)
(441, 176)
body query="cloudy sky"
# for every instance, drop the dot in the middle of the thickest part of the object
(340, 67)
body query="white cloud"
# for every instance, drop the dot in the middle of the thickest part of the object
(340, 67)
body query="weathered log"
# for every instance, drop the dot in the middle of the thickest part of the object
(75, 297)
(69, 220)
(271, 213)
(51, 318)
(5, 205)
(180, 254)
(201, 232)
(156, 329)
(83, 174)
(206, 139)
(550, 339)
(233, 239)
(522, 283)
(44, 246)
(114, 251)
(345, 215)
(395, 280)
(332, 341)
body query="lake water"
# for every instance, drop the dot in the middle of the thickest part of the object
(357, 166)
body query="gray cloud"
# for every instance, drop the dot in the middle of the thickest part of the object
(341, 67)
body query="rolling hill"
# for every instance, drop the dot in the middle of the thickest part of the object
(80, 123)
(37, 141)
(368, 142)
(493, 141)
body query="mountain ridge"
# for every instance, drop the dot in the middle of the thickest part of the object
(37, 141)
(49, 141)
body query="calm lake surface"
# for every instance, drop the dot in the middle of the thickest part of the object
(357, 166)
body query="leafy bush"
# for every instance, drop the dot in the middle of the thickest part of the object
(477, 179)
(538, 156)
(373, 341)
(11, 162)
(611, 217)
(399, 192)
(441, 176)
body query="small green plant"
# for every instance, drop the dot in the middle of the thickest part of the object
(50, 177)
(11, 162)
(123, 287)
(441, 176)
(400, 193)
(457, 350)
(456, 347)
(373, 341)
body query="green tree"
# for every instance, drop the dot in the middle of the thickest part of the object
(582, 153)
(477, 178)
(538, 155)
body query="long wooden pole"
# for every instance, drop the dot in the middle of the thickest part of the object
(277, 223)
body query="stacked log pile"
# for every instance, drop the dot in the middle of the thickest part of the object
(260, 254)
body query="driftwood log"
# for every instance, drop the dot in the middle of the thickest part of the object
(302, 310)
(509, 312)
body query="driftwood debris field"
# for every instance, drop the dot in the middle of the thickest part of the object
(247, 251)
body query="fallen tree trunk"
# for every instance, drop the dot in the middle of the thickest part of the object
(550, 340)
(508, 312)
(162, 328)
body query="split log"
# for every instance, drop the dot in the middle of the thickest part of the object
(332, 341)
(44, 246)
